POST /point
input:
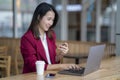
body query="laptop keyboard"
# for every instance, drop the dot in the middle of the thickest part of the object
(76, 70)
(73, 71)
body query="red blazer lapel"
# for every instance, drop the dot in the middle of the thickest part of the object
(41, 51)
(51, 50)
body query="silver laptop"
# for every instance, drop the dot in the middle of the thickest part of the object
(93, 62)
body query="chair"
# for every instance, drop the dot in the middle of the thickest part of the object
(5, 64)
(18, 60)
(3, 50)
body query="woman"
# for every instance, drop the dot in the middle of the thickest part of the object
(38, 43)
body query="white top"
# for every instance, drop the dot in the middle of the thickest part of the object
(44, 42)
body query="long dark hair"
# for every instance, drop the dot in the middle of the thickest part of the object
(39, 12)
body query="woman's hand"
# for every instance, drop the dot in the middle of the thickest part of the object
(69, 66)
(63, 48)
(62, 66)
(61, 51)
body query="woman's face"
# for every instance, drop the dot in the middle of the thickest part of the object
(47, 21)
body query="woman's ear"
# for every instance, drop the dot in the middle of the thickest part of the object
(38, 17)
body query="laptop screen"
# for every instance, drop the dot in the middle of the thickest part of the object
(94, 58)
(93, 61)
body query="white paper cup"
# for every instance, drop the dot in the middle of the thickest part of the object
(40, 67)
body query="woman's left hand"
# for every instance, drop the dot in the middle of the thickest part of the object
(63, 48)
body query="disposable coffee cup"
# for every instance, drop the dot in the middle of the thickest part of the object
(40, 67)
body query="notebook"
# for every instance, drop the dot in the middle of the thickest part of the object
(93, 62)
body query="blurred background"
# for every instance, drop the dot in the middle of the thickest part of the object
(85, 20)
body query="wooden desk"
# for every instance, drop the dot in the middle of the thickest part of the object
(112, 77)
(77, 57)
(110, 68)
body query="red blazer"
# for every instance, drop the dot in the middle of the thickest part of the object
(33, 50)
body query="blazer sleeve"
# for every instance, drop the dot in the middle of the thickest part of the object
(54, 43)
(29, 54)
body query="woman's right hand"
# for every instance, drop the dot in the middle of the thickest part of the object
(62, 66)
(69, 66)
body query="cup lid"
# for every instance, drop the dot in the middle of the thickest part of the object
(39, 62)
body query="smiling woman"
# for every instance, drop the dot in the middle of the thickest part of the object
(38, 43)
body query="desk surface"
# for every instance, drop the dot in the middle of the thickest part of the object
(109, 70)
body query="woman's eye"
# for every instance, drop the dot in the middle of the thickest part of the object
(48, 19)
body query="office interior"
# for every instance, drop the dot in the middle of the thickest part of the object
(79, 20)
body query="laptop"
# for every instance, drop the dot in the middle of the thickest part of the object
(93, 62)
